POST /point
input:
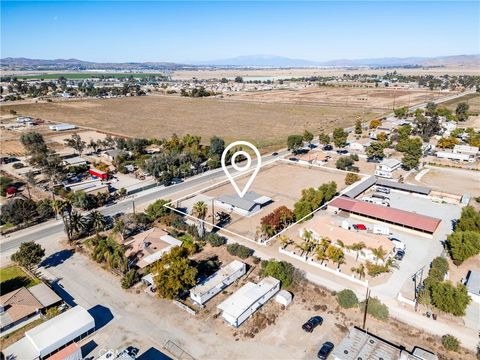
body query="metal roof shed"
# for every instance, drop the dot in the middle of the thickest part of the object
(59, 331)
(357, 189)
(404, 187)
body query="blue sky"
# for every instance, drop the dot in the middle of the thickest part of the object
(196, 31)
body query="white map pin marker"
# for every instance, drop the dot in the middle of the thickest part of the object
(243, 168)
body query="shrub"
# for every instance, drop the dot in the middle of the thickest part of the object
(450, 342)
(376, 269)
(241, 251)
(215, 239)
(52, 312)
(18, 165)
(351, 178)
(376, 309)
(158, 209)
(130, 279)
(281, 270)
(347, 299)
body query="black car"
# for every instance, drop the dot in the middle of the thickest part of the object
(399, 255)
(328, 147)
(325, 350)
(293, 159)
(342, 152)
(312, 323)
(275, 154)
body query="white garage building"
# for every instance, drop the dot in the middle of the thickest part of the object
(215, 283)
(52, 335)
(249, 298)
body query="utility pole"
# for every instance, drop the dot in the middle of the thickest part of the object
(366, 307)
(133, 206)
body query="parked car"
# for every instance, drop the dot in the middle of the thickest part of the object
(380, 196)
(275, 153)
(328, 147)
(374, 160)
(325, 350)
(399, 255)
(312, 323)
(342, 152)
(383, 189)
(130, 351)
(293, 159)
(359, 227)
(397, 243)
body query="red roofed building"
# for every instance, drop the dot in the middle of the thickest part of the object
(389, 215)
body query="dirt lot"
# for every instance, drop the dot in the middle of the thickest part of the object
(282, 182)
(362, 98)
(440, 179)
(288, 73)
(160, 116)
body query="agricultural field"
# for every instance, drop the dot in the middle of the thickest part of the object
(382, 100)
(265, 124)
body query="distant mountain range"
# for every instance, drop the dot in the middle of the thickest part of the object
(279, 61)
(240, 61)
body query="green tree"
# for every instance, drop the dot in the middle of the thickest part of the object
(448, 143)
(76, 143)
(324, 138)
(340, 137)
(358, 127)
(463, 245)
(28, 255)
(215, 239)
(469, 219)
(412, 152)
(375, 150)
(130, 278)
(431, 108)
(217, 145)
(462, 111)
(294, 143)
(174, 273)
(307, 137)
(375, 308)
(375, 123)
(158, 209)
(97, 221)
(347, 299)
(450, 299)
(401, 112)
(281, 270)
(335, 254)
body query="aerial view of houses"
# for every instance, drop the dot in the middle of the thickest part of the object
(166, 195)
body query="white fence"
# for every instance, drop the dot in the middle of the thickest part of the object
(313, 262)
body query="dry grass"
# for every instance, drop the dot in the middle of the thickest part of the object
(265, 124)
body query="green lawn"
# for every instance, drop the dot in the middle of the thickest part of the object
(88, 75)
(13, 277)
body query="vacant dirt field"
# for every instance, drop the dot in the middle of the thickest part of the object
(362, 98)
(455, 181)
(471, 99)
(159, 116)
(282, 182)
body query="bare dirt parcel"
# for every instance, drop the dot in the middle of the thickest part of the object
(161, 116)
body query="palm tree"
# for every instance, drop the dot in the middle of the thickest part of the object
(76, 225)
(284, 241)
(307, 235)
(335, 254)
(200, 209)
(97, 221)
(360, 270)
(379, 253)
(305, 247)
(320, 253)
(358, 247)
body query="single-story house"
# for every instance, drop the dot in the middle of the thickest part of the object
(246, 206)
(244, 302)
(465, 149)
(74, 161)
(386, 168)
(403, 219)
(22, 304)
(324, 227)
(455, 156)
(473, 285)
(149, 246)
(62, 127)
(215, 283)
(361, 344)
(52, 335)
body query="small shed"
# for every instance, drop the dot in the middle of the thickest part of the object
(284, 298)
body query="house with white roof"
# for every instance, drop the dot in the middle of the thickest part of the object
(247, 205)
(473, 285)
(215, 283)
(386, 168)
(247, 300)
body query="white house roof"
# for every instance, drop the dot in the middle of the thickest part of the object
(248, 202)
(473, 150)
(246, 296)
(473, 282)
(217, 278)
(56, 332)
(390, 163)
(22, 349)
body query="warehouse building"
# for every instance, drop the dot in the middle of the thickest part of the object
(52, 335)
(249, 298)
(215, 283)
(400, 218)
